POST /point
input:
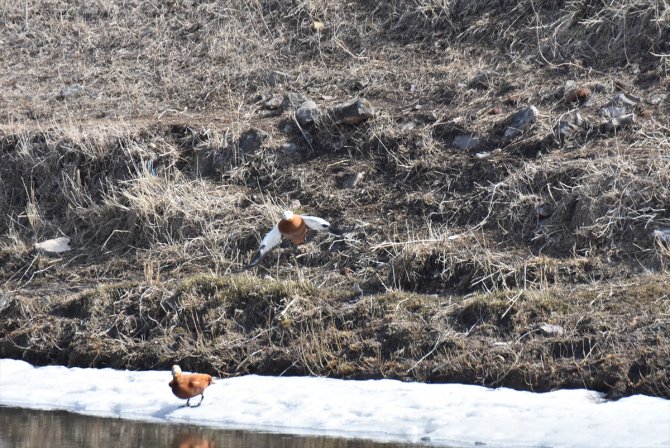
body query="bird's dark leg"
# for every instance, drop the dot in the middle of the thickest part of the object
(202, 397)
(186, 405)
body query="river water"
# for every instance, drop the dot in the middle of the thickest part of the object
(24, 428)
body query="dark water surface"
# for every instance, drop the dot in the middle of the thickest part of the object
(24, 428)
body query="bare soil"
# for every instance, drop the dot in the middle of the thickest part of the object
(535, 259)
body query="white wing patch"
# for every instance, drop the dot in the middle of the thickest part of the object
(270, 240)
(316, 223)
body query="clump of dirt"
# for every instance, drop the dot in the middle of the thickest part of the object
(497, 167)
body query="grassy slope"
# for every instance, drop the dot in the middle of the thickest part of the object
(549, 230)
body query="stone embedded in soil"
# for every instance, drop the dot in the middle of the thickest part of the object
(252, 140)
(293, 100)
(289, 148)
(544, 210)
(569, 85)
(482, 80)
(206, 163)
(4, 301)
(274, 102)
(408, 126)
(521, 121)
(596, 87)
(466, 141)
(612, 111)
(353, 180)
(569, 125)
(624, 99)
(617, 107)
(356, 85)
(308, 113)
(71, 91)
(54, 245)
(355, 111)
(275, 78)
(662, 235)
(615, 123)
(488, 154)
(657, 99)
(550, 330)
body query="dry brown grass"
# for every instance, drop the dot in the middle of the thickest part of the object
(242, 324)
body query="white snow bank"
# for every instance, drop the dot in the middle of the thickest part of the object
(386, 410)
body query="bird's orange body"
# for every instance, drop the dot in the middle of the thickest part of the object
(294, 229)
(187, 386)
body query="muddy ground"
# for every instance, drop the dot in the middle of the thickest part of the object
(165, 140)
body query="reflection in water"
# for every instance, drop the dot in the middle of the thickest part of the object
(190, 440)
(28, 428)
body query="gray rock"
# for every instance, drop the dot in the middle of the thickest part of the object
(358, 292)
(662, 235)
(521, 121)
(408, 126)
(207, 163)
(617, 107)
(569, 125)
(4, 301)
(355, 111)
(657, 99)
(289, 148)
(623, 99)
(612, 111)
(551, 330)
(615, 123)
(482, 80)
(567, 87)
(274, 102)
(544, 210)
(275, 78)
(71, 91)
(356, 85)
(54, 246)
(488, 154)
(353, 180)
(466, 141)
(252, 140)
(597, 87)
(293, 100)
(307, 113)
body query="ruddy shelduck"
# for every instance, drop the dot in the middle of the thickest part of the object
(187, 386)
(293, 227)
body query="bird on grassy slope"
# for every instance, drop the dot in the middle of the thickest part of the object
(187, 386)
(293, 227)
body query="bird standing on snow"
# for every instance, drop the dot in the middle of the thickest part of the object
(293, 227)
(189, 385)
